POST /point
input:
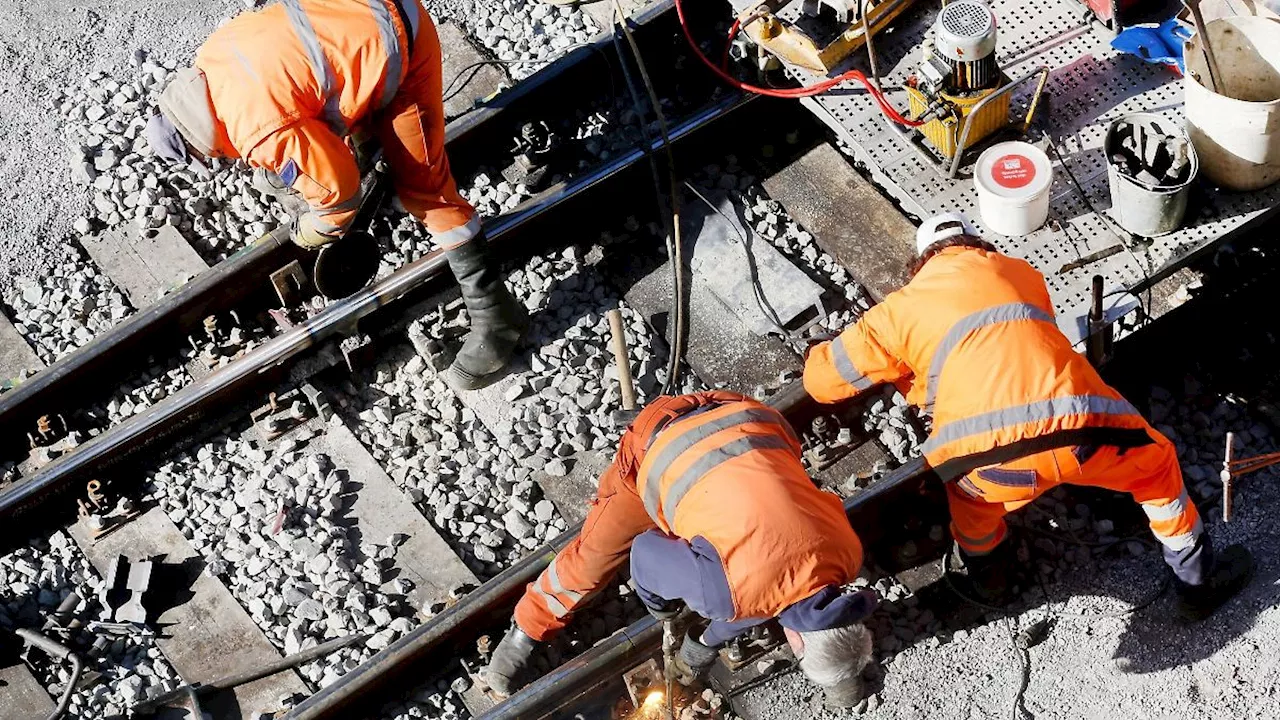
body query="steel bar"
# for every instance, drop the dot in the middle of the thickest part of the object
(180, 410)
(572, 680)
(491, 603)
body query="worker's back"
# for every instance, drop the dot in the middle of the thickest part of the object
(306, 59)
(731, 474)
(976, 331)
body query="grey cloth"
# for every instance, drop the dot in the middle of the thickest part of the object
(167, 143)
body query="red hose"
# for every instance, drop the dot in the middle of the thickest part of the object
(815, 89)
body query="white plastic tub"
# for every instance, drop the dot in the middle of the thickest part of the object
(1013, 180)
(1237, 133)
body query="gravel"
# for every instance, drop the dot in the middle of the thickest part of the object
(35, 579)
(268, 522)
(65, 307)
(523, 34)
(54, 46)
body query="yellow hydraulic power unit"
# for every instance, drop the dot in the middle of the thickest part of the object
(958, 73)
(820, 54)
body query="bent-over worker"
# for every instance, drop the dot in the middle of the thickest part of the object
(972, 340)
(724, 519)
(294, 87)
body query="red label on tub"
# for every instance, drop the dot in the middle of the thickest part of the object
(1013, 171)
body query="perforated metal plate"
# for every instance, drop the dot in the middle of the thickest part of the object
(1090, 85)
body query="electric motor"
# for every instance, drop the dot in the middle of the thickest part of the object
(965, 38)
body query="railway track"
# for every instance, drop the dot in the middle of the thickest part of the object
(432, 644)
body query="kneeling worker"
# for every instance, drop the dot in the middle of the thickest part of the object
(291, 87)
(723, 517)
(1016, 411)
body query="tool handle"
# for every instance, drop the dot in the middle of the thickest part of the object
(52, 648)
(622, 359)
(1227, 477)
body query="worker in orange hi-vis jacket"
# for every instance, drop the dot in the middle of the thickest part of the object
(1016, 410)
(708, 498)
(294, 89)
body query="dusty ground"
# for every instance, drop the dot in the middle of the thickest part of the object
(48, 45)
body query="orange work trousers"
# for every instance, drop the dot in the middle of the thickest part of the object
(584, 566)
(1150, 473)
(411, 132)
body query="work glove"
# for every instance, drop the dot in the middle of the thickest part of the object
(305, 235)
(694, 660)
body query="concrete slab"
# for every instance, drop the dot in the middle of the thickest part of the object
(145, 268)
(379, 509)
(15, 355)
(24, 697)
(848, 216)
(207, 633)
(572, 493)
(459, 57)
(722, 351)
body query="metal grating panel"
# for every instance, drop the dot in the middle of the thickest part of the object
(1089, 86)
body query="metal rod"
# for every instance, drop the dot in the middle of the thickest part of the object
(1216, 78)
(57, 651)
(1227, 476)
(622, 359)
(177, 412)
(1097, 340)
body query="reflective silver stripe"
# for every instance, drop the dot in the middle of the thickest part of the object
(1184, 541)
(709, 462)
(844, 366)
(553, 579)
(556, 607)
(320, 66)
(460, 234)
(1021, 414)
(686, 440)
(966, 325)
(351, 203)
(395, 61)
(1167, 512)
(319, 224)
(962, 539)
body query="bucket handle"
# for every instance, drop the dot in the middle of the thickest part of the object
(963, 139)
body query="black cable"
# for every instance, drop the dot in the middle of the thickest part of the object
(675, 244)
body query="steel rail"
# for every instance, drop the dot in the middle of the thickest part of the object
(433, 643)
(195, 401)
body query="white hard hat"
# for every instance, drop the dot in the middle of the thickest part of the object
(942, 227)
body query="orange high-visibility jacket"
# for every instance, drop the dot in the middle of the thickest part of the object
(732, 475)
(290, 82)
(972, 340)
(715, 464)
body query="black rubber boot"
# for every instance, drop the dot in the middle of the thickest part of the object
(512, 662)
(989, 578)
(1232, 570)
(498, 320)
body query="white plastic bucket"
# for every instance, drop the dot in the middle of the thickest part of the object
(1237, 133)
(1013, 180)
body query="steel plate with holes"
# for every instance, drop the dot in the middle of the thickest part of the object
(1089, 86)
